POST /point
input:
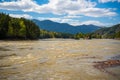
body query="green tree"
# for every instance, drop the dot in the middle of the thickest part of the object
(79, 35)
(22, 31)
(4, 21)
(117, 35)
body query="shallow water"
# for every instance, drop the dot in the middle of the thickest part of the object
(57, 59)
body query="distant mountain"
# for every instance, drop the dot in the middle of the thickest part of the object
(64, 27)
(109, 32)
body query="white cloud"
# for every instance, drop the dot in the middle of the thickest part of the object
(72, 21)
(92, 22)
(50, 18)
(61, 20)
(21, 15)
(60, 7)
(98, 23)
(105, 1)
(23, 5)
(93, 12)
(72, 16)
(97, 12)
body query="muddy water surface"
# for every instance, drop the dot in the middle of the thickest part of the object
(58, 59)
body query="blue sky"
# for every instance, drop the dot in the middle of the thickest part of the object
(74, 12)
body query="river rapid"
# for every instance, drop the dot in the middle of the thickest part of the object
(58, 59)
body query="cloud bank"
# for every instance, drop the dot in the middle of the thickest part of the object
(60, 7)
(70, 10)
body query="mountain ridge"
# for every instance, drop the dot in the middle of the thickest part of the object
(65, 27)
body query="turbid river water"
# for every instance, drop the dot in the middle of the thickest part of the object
(58, 59)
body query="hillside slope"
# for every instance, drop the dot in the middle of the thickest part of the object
(64, 27)
(110, 32)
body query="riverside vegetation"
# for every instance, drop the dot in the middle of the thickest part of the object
(20, 28)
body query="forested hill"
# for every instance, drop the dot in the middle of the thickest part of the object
(20, 28)
(17, 28)
(64, 27)
(109, 32)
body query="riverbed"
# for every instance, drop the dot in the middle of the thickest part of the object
(58, 59)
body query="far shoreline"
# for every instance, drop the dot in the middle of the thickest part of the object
(52, 39)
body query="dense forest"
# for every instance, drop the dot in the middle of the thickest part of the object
(20, 28)
(17, 28)
(49, 34)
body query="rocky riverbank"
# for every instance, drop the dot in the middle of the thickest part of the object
(103, 65)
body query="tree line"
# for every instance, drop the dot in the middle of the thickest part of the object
(21, 28)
